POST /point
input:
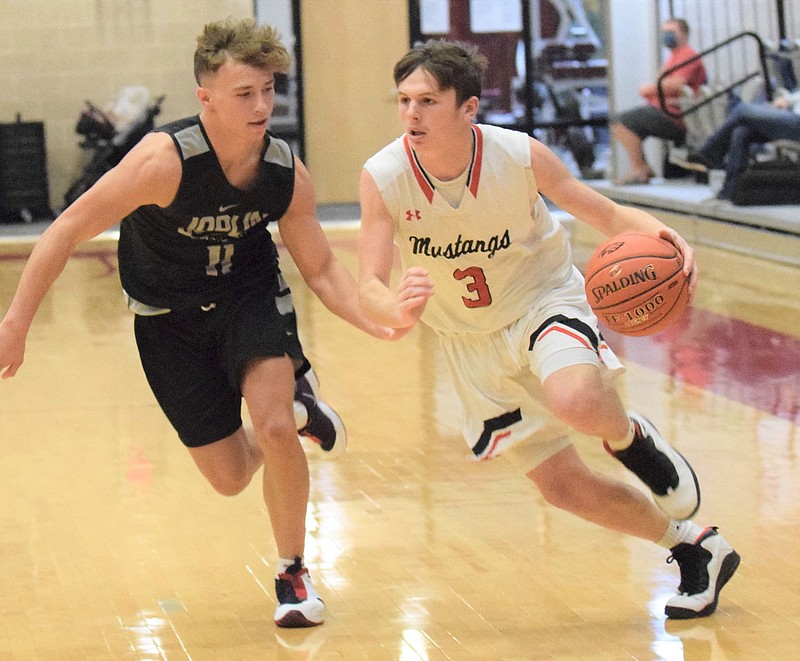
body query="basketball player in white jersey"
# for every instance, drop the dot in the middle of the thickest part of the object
(490, 271)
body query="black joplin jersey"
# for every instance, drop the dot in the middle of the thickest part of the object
(212, 240)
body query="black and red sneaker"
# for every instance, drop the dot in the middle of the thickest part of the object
(321, 425)
(299, 605)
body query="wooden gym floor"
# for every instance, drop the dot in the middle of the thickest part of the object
(114, 547)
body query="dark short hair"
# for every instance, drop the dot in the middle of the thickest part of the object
(453, 64)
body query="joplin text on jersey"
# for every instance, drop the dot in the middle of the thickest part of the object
(201, 226)
(421, 245)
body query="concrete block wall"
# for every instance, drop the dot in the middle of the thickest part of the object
(56, 54)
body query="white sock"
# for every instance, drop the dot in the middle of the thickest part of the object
(284, 564)
(625, 441)
(679, 532)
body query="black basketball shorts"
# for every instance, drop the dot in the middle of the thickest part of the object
(195, 359)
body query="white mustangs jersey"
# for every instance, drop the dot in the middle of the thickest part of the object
(491, 258)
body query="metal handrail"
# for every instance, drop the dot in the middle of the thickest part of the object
(762, 56)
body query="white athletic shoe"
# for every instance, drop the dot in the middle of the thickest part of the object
(706, 566)
(299, 605)
(662, 468)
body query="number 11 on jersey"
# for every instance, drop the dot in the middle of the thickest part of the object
(219, 260)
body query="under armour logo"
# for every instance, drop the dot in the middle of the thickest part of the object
(412, 215)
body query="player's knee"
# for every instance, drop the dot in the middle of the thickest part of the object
(575, 493)
(277, 435)
(561, 494)
(231, 480)
(575, 406)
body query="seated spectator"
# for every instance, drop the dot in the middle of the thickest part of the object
(630, 128)
(747, 124)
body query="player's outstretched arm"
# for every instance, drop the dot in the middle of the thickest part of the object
(325, 275)
(400, 309)
(145, 176)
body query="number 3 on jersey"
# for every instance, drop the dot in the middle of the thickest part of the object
(475, 282)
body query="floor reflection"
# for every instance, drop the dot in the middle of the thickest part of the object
(752, 365)
(114, 547)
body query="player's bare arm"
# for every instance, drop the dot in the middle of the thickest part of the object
(399, 309)
(557, 183)
(327, 277)
(149, 174)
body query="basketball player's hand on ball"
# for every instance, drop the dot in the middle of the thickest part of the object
(689, 265)
(413, 292)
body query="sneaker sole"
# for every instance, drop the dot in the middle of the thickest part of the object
(676, 514)
(295, 619)
(726, 571)
(663, 501)
(300, 411)
(313, 381)
(340, 446)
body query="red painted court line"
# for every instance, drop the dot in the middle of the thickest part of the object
(742, 362)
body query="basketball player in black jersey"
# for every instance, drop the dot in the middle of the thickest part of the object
(214, 317)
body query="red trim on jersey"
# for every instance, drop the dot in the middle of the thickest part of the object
(419, 173)
(475, 166)
(477, 161)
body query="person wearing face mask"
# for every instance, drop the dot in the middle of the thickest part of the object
(631, 127)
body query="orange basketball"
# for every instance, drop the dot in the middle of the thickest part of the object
(635, 284)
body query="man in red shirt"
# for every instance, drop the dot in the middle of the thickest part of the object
(631, 127)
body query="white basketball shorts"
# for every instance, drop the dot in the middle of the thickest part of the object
(497, 376)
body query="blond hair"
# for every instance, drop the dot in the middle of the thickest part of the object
(242, 41)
